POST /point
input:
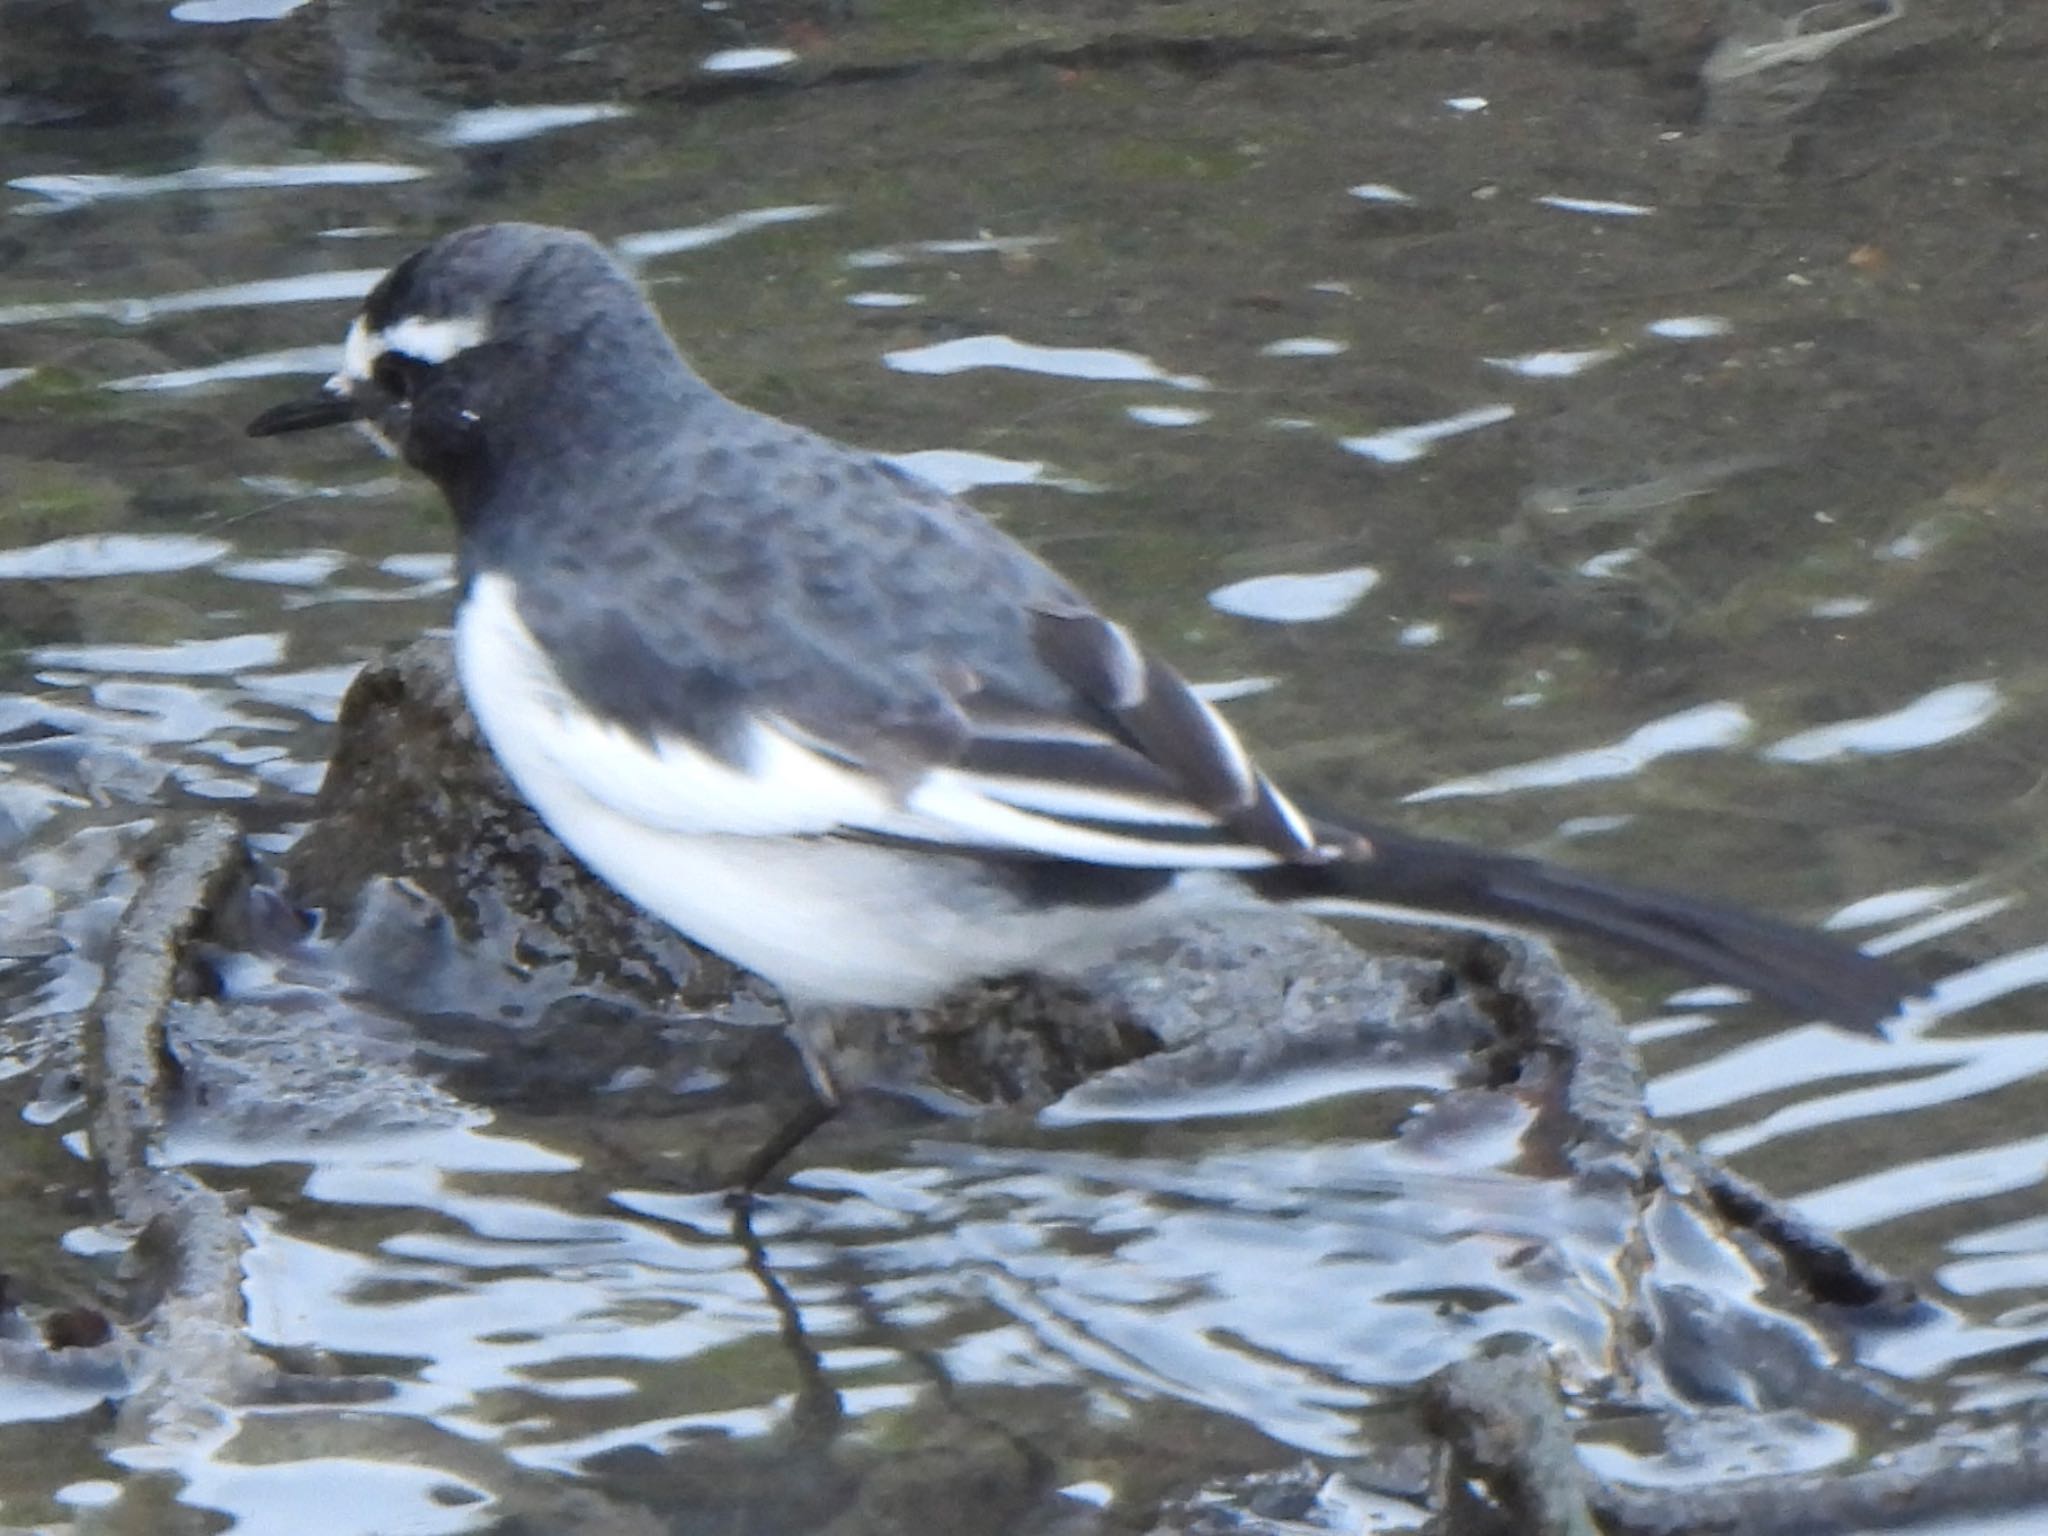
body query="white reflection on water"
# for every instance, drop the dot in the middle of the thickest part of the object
(1304, 346)
(559, 1335)
(965, 353)
(1927, 1184)
(740, 61)
(900, 255)
(308, 568)
(1939, 924)
(1166, 415)
(649, 244)
(313, 288)
(1222, 692)
(2010, 1257)
(93, 1493)
(1929, 721)
(960, 470)
(1689, 327)
(505, 125)
(1106, 1100)
(1296, 598)
(1704, 728)
(110, 554)
(166, 712)
(1894, 906)
(314, 691)
(1714, 1451)
(1403, 445)
(1209, 1278)
(181, 658)
(1852, 1077)
(25, 1401)
(1554, 365)
(427, 565)
(337, 1496)
(72, 191)
(260, 365)
(227, 12)
(1599, 207)
(523, 1304)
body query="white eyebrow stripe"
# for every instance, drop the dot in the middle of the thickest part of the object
(435, 341)
(416, 337)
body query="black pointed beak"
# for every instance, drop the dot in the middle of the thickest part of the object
(330, 408)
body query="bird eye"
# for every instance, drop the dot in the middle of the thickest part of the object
(390, 375)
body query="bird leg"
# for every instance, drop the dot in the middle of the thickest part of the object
(804, 1035)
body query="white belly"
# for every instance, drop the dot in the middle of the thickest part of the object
(828, 920)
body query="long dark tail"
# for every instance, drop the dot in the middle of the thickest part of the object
(1806, 972)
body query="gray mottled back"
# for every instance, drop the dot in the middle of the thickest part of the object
(831, 587)
(675, 551)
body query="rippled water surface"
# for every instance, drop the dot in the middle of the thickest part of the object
(1512, 432)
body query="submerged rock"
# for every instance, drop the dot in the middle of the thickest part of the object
(441, 892)
(446, 902)
(413, 793)
(462, 962)
(444, 897)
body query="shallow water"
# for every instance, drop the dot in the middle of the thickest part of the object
(1512, 438)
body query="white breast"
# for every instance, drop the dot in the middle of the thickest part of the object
(695, 841)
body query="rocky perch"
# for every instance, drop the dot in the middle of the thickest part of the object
(443, 902)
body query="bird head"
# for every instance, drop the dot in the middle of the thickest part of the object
(478, 343)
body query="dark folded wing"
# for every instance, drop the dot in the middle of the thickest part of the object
(1113, 759)
(1179, 734)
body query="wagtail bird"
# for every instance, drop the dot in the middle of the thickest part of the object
(829, 722)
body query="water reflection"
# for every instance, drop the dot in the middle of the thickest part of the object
(68, 192)
(314, 288)
(263, 365)
(1704, 728)
(506, 125)
(1297, 599)
(1931, 720)
(113, 554)
(1402, 445)
(740, 61)
(970, 352)
(649, 244)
